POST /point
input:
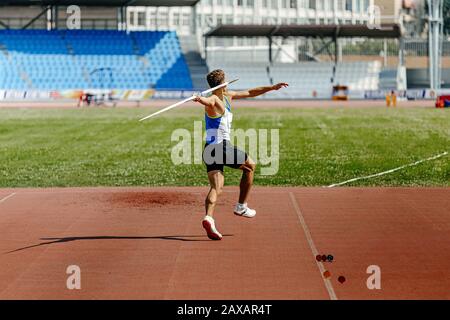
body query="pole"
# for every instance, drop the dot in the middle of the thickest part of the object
(435, 21)
(270, 50)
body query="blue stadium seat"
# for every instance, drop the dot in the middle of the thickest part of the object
(95, 59)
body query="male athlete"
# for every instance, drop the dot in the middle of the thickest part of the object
(219, 152)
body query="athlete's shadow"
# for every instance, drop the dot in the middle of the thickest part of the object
(70, 239)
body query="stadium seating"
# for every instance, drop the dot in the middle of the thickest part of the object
(306, 79)
(359, 75)
(91, 59)
(250, 74)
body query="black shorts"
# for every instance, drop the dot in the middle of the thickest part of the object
(216, 156)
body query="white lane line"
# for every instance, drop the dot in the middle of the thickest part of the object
(7, 197)
(313, 248)
(389, 171)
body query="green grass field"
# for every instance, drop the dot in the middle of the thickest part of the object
(109, 147)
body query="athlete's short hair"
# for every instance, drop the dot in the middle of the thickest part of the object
(215, 78)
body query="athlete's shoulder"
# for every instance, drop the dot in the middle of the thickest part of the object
(229, 94)
(227, 99)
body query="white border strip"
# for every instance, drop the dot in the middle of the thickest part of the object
(7, 197)
(389, 171)
(313, 248)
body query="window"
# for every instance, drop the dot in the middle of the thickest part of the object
(366, 5)
(141, 19)
(208, 20)
(176, 18)
(293, 4)
(186, 18)
(319, 5)
(132, 16)
(313, 5)
(348, 5)
(240, 3)
(153, 19)
(162, 19)
(358, 6)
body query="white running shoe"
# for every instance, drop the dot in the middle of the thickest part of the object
(210, 227)
(244, 211)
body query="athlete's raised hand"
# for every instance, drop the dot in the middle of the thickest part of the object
(197, 98)
(280, 85)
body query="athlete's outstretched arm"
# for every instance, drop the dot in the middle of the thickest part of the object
(256, 91)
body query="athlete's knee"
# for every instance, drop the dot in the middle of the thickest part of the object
(249, 166)
(218, 190)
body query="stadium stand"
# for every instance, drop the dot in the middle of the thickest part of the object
(306, 79)
(109, 59)
(359, 75)
(388, 79)
(249, 74)
(93, 59)
(196, 64)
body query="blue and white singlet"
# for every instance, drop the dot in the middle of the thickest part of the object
(218, 128)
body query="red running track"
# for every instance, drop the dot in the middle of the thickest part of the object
(148, 243)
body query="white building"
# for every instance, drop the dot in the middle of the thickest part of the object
(197, 20)
(209, 13)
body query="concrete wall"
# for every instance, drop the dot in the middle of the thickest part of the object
(419, 78)
(392, 61)
(17, 17)
(91, 17)
(389, 7)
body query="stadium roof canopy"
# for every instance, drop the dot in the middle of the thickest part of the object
(99, 3)
(332, 31)
(321, 31)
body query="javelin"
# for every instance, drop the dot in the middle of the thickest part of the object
(188, 99)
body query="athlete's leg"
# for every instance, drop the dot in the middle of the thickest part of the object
(216, 181)
(238, 159)
(248, 170)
